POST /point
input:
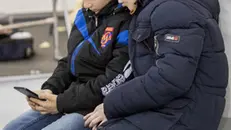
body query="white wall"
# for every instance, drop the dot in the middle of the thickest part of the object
(31, 6)
(225, 24)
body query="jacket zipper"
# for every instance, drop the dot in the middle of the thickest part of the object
(96, 21)
(156, 45)
(149, 49)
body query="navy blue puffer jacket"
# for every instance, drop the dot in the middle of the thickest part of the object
(180, 68)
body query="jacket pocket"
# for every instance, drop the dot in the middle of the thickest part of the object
(178, 103)
(142, 49)
(143, 40)
(140, 34)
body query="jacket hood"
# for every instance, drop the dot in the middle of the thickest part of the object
(211, 5)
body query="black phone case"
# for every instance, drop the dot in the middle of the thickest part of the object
(27, 92)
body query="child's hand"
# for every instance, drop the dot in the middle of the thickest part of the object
(96, 118)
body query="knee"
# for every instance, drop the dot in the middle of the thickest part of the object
(75, 116)
(10, 126)
(73, 121)
(13, 125)
(76, 121)
(21, 121)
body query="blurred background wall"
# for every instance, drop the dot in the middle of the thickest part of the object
(31, 6)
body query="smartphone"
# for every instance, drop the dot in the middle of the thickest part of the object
(28, 93)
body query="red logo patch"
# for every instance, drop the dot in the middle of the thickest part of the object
(107, 36)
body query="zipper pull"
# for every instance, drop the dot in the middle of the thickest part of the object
(96, 21)
(156, 44)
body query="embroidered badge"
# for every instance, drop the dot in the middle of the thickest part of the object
(107, 36)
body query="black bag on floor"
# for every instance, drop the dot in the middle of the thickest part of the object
(15, 48)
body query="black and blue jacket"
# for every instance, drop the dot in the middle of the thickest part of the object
(97, 54)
